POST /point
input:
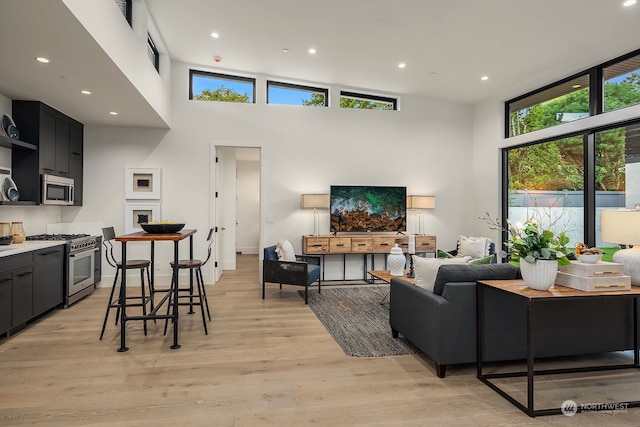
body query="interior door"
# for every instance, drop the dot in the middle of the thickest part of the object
(218, 244)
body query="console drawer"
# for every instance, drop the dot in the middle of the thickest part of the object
(361, 244)
(384, 244)
(425, 244)
(340, 245)
(316, 245)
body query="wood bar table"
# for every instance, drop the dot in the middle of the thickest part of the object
(142, 236)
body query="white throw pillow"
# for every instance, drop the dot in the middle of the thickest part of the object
(426, 269)
(285, 252)
(475, 247)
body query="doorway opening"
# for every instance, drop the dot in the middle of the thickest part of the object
(235, 205)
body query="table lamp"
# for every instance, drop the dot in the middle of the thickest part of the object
(420, 203)
(623, 227)
(315, 202)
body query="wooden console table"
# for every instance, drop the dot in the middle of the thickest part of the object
(363, 244)
(535, 301)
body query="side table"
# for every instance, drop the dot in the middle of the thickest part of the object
(534, 300)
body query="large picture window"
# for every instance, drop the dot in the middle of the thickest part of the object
(206, 86)
(546, 185)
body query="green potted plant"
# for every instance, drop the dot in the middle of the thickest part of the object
(541, 249)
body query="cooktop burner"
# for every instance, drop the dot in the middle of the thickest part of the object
(67, 237)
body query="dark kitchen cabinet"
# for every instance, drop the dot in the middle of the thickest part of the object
(22, 296)
(16, 291)
(5, 302)
(76, 156)
(59, 142)
(48, 279)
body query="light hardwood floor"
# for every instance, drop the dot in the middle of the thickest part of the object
(265, 362)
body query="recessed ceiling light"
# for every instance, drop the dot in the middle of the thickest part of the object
(629, 3)
(576, 86)
(285, 50)
(402, 65)
(483, 78)
(312, 51)
(85, 92)
(42, 59)
(215, 35)
(113, 113)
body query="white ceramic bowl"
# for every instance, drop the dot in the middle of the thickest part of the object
(589, 258)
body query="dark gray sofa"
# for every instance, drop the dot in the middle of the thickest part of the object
(443, 323)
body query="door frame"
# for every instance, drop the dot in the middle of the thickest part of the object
(216, 184)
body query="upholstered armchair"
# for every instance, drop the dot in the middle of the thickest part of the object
(304, 271)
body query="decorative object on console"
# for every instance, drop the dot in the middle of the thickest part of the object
(534, 246)
(411, 251)
(396, 261)
(420, 203)
(623, 227)
(539, 275)
(315, 202)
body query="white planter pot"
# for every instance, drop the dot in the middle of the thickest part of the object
(540, 275)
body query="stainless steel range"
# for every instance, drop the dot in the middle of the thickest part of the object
(81, 251)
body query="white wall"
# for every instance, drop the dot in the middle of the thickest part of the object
(426, 146)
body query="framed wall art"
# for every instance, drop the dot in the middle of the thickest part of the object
(142, 183)
(136, 213)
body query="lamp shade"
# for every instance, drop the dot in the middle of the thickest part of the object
(621, 226)
(314, 201)
(421, 202)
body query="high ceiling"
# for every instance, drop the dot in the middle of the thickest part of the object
(447, 46)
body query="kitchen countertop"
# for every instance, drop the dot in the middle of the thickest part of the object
(28, 246)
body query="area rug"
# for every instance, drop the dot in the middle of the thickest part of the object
(358, 322)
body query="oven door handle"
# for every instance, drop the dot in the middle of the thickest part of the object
(83, 252)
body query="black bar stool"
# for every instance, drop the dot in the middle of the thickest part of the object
(141, 264)
(188, 292)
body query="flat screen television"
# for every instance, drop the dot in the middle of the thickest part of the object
(359, 208)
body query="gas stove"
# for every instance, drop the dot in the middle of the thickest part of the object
(82, 253)
(76, 242)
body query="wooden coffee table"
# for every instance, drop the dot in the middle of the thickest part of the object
(385, 276)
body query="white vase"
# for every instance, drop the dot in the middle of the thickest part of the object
(540, 275)
(396, 261)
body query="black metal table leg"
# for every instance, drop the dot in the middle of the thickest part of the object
(123, 300)
(175, 296)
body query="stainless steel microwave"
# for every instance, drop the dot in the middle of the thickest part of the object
(57, 190)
